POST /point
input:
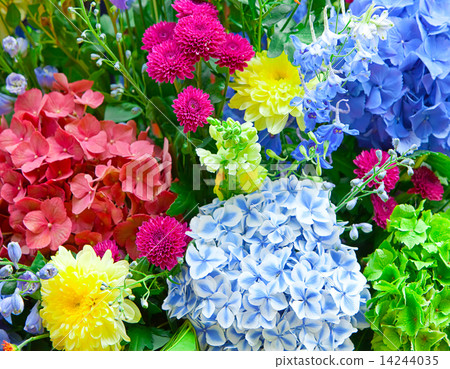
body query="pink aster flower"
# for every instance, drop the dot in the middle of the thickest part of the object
(185, 8)
(426, 184)
(367, 160)
(382, 210)
(157, 34)
(167, 62)
(162, 240)
(234, 53)
(199, 36)
(192, 107)
(101, 248)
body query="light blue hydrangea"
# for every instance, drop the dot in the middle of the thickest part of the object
(268, 271)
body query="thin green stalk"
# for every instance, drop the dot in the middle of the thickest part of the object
(259, 26)
(31, 339)
(127, 14)
(27, 34)
(222, 103)
(141, 10)
(289, 19)
(155, 11)
(199, 74)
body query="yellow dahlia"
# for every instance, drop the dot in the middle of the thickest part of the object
(265, 89)
(79, 315)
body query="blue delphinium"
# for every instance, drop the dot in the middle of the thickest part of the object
(45, 76)
(267, 271)
(416, 56)
(16, 84)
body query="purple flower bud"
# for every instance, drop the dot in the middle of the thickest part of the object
(45, 76)
(6, 271)
(6, 308)
(11, 46)
(17, 302)
(16, 84)
(33, 324)
(351, 204)
(28, 288)
(23, 46)
(354, 233)
(6, 104)
(47, 272)
(14, 253)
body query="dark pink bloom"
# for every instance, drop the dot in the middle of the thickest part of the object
(82, 222)
(382, 210)
(83, 192)
(157, 34)
(101, 248)
(426, 184)
(162, 240)
(367, 160)
(59, 170)
(234, 52)
(199, 36)
(75, 88)
(30, 155)
(91, 99)
(125, 233)
(19, 131)
(167, 62)
(13, 186)
(119, 137)
(46, 191)
(58, 105)
(48, 226)
(31, 102)
(63, 145)
(185, 8)
(192, 107)
(89, 134)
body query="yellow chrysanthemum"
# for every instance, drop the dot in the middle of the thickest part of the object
(76, 312)
(265, 89)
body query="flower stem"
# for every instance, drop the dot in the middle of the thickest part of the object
(289, 19)
(222, 103)
(31, 339)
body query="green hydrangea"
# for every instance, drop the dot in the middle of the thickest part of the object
(238, 157)
(410, 273)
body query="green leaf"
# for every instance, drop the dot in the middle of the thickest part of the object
(410, 239)
(426, 339)
(442, 272)
(411, 317)
(8, 287)
(440, 162)
(252, 5)
(184, 202)
(184, 339)
(378, 260)
(278, 13)
(122, 112)
(141, 338)
(13, 16)
(277, 42)
(422, 264)
(38, 262)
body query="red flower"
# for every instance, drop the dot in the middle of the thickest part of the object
(83, 192)
(89, 134)
(58, 105)
(119, 137)
(367, 160)
(426, 184)
(63, 145)
(91, 99)
(59, 170)
(29, 156)
(162, 240)
(185, 8)
(125, 233)
(30, 102)
(157, 34)
(19, 131)
(48, 226)
(382, 210)
(13, 188)
(61, 83)
(234, 53)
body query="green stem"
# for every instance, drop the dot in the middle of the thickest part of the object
(222, 103)
(127, 14)
(27, 34)
(289, 19)
(199, 74)
(155, 11)
(141, 10)
(259, 26)
(31, 339)
(11, 263)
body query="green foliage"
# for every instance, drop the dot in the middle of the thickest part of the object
(145, 338)
(410, 273)
(185, 339)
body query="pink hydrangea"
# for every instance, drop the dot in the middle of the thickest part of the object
(103, 246)
(367, 160)
(382, 210)
(234, 53)
(185, 8)
(157, 34)
(167, 62)
(192, 108)
(426, 184)
(199, 36)
(162, 240)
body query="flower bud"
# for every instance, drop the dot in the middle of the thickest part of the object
(6, 308)
(79, 40)
(99, 63)
(117, 66)
(410, 171)
(14, 253)
(128, 54)
(379, 154)
(395, 143)
(95, 56)
(118, 36)
(47, 272)
(17, 302)
(102, 37)
(28, 288)
(414, 147)
(365, 227)
(96, 11)
(351, 204)
(356, 182)
(354, 233)
(380, 188)
(98, 26)
(6, 271)
(382, 174)
(384, 196)
(144, 303)
(33, 324)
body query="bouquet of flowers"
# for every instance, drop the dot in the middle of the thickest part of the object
(224, 175)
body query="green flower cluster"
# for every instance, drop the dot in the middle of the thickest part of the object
(238, 158)
(410, 273)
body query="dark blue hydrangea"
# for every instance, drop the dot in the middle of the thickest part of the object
(267, 271)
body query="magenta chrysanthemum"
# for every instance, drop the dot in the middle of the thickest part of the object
(185, 8)
(101, 248)
(234, 53)
(199, 36)
(192, 108)
(157, 34)
(367, 160)
(162, 240)
(167, 62)
(382, 210)
(426, 184)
